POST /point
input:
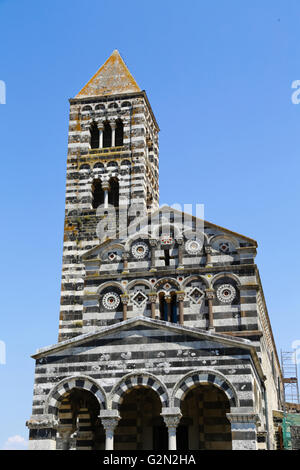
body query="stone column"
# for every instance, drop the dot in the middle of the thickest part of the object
(105, 187)
(180, 253)
(171, 417)
(101, 129)
(152, 299)
(113, 126)
(153, 244)
(180, 298)
(243, 430)
(210, 293)
(208, 252)
(125, 262)
(125, 300)
(109, 420)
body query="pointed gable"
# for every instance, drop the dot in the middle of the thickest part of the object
(111, 79)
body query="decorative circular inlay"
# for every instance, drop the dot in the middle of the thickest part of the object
(140, 250)
(224, 246)
(193, 247)
(111, 300)
(226, 293)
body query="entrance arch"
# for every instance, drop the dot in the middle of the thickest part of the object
(79, 426)
(204, 425)
(141, 426)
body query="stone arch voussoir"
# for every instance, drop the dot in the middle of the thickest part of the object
(137, 380)
(81, 382)
(192, 379)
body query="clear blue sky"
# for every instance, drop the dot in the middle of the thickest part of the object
(218, 76)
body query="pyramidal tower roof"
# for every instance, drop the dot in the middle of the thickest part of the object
(112, 78)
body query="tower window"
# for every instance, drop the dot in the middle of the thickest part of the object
(94, 136)
(119, 133)
(98, 194)
(107, 135)
(113, 194)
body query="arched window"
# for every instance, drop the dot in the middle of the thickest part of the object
(98, 194)
(113, 194)
(168, 310)
(100, 107)
(94, 136)
(86, 109)
(163, 308)
(107, 135)
(119, 133)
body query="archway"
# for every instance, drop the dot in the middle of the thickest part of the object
(119, 133)
(98, 194)
(107, 135)
(94, 136)
(79, 426)
(168, 306)
(141, 427)
(113, 194)
(204, 425)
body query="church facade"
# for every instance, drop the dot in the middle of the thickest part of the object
(164, 336)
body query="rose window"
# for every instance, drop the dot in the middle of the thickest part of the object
(111, 300)
(193, 247)
(226, 293)
(140, 250)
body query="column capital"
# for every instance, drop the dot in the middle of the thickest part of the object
(208, 249)
(153, 241)
(105, 185)
(109, 419)
(168, 299)
(180, 294)
(179, 241)
(65, 430)
(124, 298)
(113, 124)
(209, 293)
(100, 126)
(152, 297)
(243, 418)
(171, 416)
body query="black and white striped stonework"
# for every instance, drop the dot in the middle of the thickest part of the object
(150, 323)
(105, 364)
(53, 402)
(195, 379)
(134, 165)
(139, 381)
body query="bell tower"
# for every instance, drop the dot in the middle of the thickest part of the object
(112, 160)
